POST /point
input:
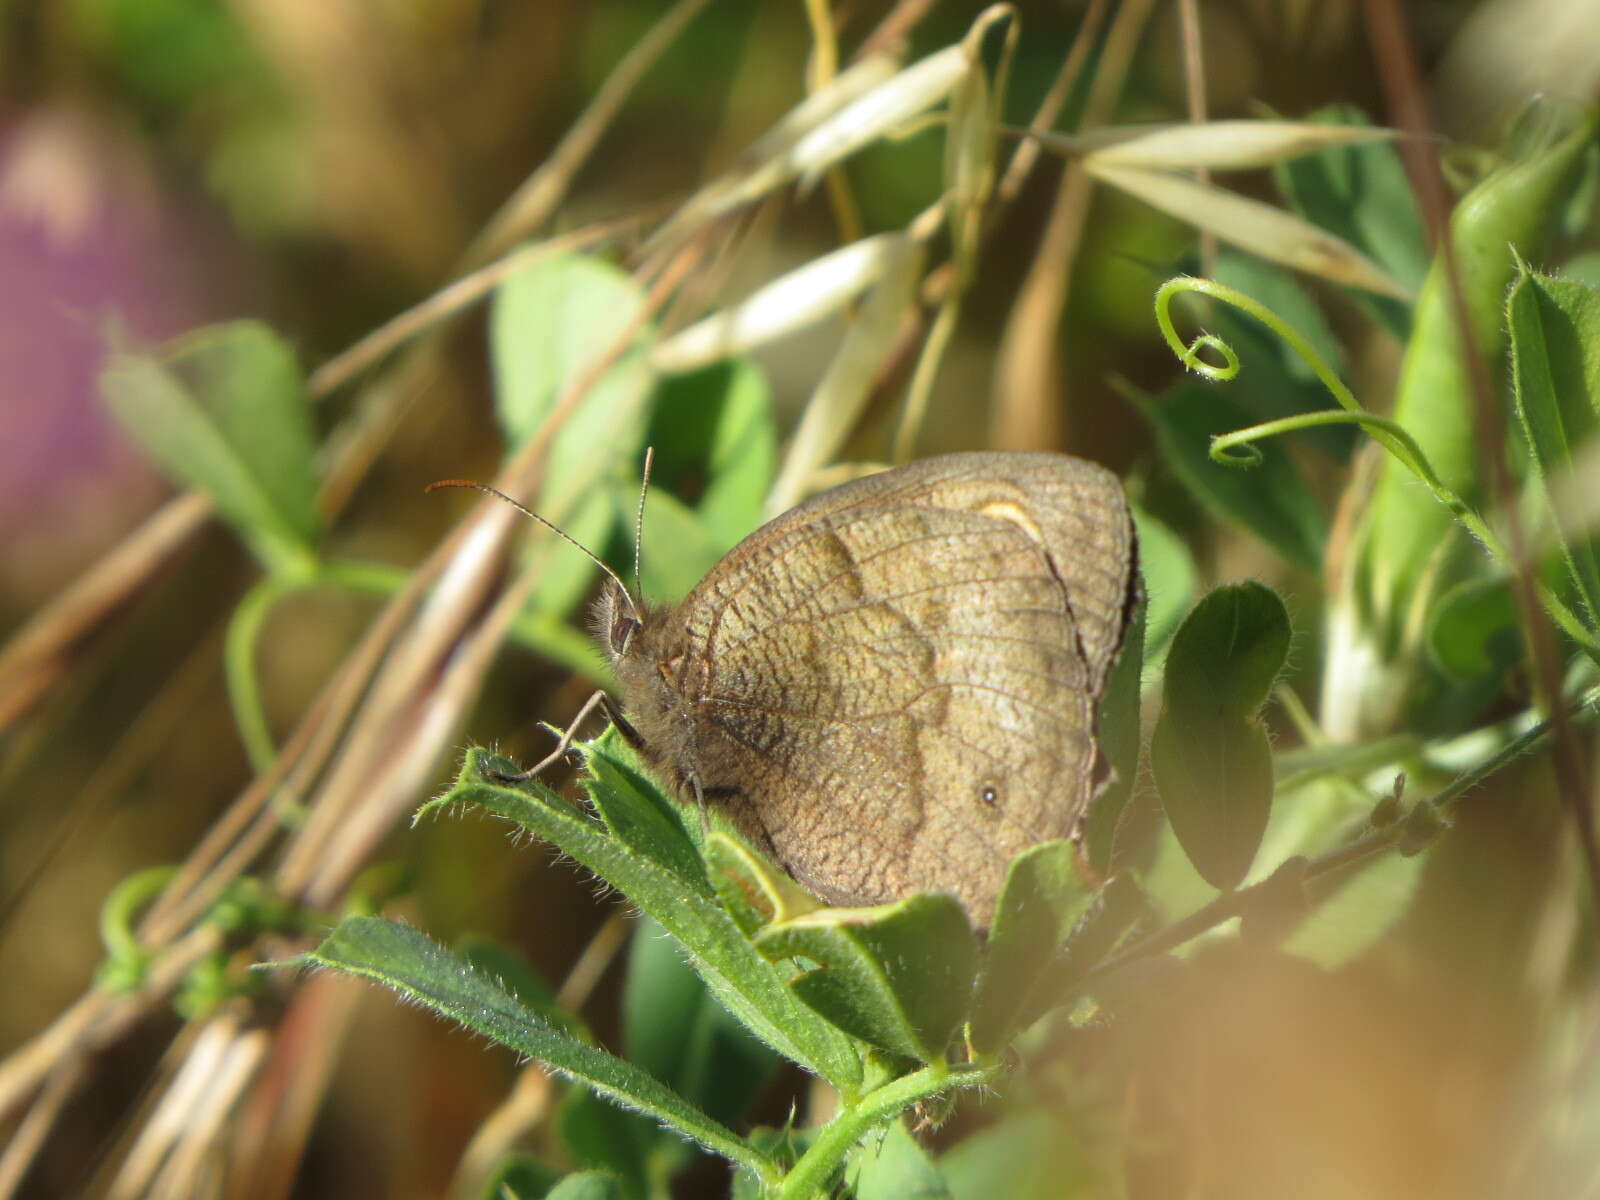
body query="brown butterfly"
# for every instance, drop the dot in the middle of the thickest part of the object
(893, 687)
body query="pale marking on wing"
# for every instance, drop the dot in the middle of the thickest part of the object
(1010, 510)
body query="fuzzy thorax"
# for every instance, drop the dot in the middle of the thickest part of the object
(646, 647)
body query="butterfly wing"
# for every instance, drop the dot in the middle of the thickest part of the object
(901, 676)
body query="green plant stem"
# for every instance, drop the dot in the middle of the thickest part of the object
(123, 905)
(1388, 434)
(809, 1177)
(239, 667)
(1231, 904)
(376, 579)
(244, 636)
(541, 632)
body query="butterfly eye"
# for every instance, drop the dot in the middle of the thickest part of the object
(623, 628)
(989, 795)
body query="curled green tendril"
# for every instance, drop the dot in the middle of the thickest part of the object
(1210, 341)
(1237, 449)
(1389, 435)
(127, 960)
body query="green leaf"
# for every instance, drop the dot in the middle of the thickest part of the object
(892, 1166)
(550, 328)
(1362, 194)
(716, 444)
(1276, 289)
(1269, 499)
(784, 1146)
(1212, 760)
(512, 971)
(1043, 898)
(567, 576)
(1273, 381)
(897, 975)
(224, 410)
(1474, 634)
(638, 814)
(1116, 913)
(1031, 1155)
(741, 979)
(673, 1028)
(420, 970)
(1555, 363)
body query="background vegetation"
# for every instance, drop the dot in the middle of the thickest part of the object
(244, 646)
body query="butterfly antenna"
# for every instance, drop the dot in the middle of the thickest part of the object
(556, 529)
(638, 520)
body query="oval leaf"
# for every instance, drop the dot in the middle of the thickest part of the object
(894, 1167)
(587, 1185)
(1212, 760)
(715, 436)
(551, 325)
(225, 411)
(1170, 579)
(1474, 634)
(753, 890)
(1361, 193)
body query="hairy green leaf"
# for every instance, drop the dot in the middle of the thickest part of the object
(420, 970)
(898, 975)
(742, 980)
(1555, 359)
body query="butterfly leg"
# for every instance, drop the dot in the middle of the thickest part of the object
(632, 736)
(598, 700)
